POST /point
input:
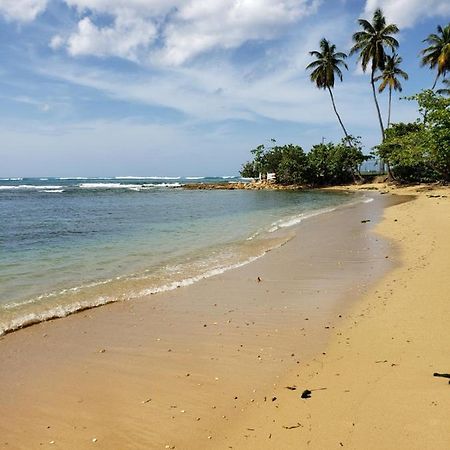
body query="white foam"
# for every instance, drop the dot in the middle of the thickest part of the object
(189, 281)
(146, 178)
(53, 191)
(295, 220)
(53, 313)
(28, 186)
(133, 187)
(195, 178)
(11, 179)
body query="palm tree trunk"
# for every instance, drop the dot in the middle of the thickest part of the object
(389, 110)
(335, 110)
(380, 119)
(435, 81)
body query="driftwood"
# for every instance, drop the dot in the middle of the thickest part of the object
(442, 375)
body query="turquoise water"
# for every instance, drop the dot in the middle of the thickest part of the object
(68, 244)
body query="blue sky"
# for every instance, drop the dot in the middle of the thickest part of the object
(183, 87)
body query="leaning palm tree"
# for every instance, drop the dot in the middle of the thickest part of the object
(370, 43)
(389, 77)
(324, 69)
(437, 55)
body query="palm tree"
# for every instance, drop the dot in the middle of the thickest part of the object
(370, 43)
(389, 77)
(446, 90)
(438, 52)
(324, 69)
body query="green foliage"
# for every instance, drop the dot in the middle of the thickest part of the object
(371, 41)
(325, 164)
(327, 65)
(248, 170)
(336, 163)
(292, 167)
(420, 151)
(437, 54)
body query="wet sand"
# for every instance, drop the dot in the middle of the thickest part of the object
(205, 366)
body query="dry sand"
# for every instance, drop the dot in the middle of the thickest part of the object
(208, 366)
(378, 370)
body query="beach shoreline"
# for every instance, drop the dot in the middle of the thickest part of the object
(73, 396)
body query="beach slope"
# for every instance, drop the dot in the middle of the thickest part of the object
(378, 389)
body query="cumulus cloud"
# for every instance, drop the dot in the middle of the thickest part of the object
(124, 38)
(22, 10)
(184, 28)
(405, 13)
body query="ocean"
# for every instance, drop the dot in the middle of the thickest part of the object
(68, 244)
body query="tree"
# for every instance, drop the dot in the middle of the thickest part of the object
(389, 77)
(324, 69)
(437, 54)
(420, 151)
(370, 43)
(293, 165)
(336, 163)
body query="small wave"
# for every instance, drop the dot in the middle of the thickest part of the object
(295, 220)
(146, 178)
(132, 187)
(189, 281)
(11, 179)
(53, 191)
(61, 311)
(195, 178)
(57, 312)
(105, 186)
(28, 186)
(228, 177)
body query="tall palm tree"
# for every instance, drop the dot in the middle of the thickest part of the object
(389, 77)
(370, 43)
(324, 69)
(438, 52)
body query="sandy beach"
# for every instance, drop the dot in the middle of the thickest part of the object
(354, 307)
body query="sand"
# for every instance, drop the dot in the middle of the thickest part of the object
(378, 369)
(208, 366)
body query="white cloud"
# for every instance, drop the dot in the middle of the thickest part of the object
(405, 13)
(22, 10)
(185, 28)
(124, 38)
(200, 26)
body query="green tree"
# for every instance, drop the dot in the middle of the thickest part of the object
(390, 77)
(248, 170)
(420, 151)
(403, 148)
(325, 67)
(336, 163)
(292, 167)
(370, 44)
(437, 54)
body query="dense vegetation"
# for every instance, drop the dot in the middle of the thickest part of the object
(324, 164)
(418, 151)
